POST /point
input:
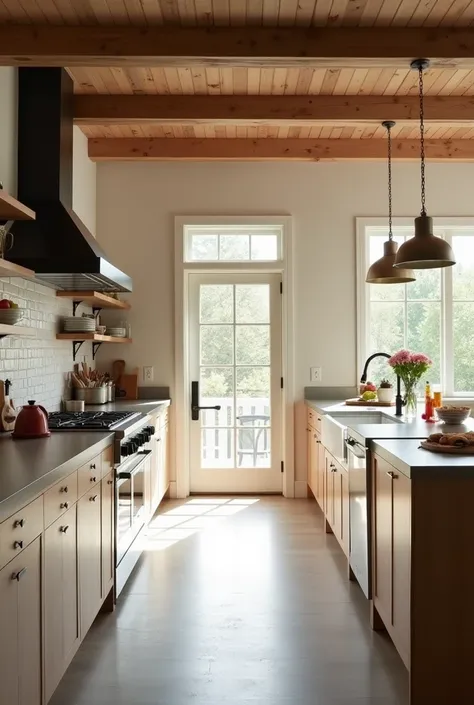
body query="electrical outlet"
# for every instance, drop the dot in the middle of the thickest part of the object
(315, 374)
(148, 374)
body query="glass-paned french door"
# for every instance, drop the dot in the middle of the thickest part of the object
(235, 373)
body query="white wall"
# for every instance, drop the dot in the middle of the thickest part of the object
(137, 203)
(83, 181)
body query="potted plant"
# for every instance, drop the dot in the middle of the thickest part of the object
(385, 392)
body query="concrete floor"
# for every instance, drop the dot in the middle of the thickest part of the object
(237, 602)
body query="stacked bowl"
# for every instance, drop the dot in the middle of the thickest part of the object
(11, 316)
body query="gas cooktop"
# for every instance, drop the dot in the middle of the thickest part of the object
(89, 420)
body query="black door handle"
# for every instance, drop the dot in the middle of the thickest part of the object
(195, 408)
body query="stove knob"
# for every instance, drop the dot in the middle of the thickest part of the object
(125, 449)
(151, 429)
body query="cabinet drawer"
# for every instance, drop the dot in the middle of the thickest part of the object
(17, 532)
(314, 419)
(60, 498)
(89, 475)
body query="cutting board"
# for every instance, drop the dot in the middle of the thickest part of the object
(374, 402)
(128, 386)
(446, 450)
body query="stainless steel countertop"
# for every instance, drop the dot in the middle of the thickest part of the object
(144, 406)
(29, 467)
(418, 463)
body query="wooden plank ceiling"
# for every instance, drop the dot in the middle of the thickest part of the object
(278, 81)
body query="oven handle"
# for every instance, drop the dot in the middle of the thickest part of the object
(128, 474)
(353, 446)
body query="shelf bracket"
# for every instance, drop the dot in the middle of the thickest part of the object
(96, 310)
(75, 304)
(95, 347)
(76, 344)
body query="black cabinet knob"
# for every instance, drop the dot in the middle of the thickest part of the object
(63, 529)
(93, 479)
(64, 489)
(92, 467)
(64, 505)
(19, 522)
(18, 576)
(93, 498)
(18, 544)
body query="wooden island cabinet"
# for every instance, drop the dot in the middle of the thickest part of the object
(423, 572)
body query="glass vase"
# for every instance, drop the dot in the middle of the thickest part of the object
(410, 401)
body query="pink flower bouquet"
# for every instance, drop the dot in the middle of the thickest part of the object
(410, 366)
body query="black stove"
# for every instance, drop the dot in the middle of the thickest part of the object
(89, 420)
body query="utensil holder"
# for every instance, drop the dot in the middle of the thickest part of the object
(92, 395)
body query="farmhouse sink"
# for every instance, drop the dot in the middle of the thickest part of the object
(334, 427)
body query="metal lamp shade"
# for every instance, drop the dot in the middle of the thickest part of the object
(425, 250)
(382, 271)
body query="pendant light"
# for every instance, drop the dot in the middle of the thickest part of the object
(424, 250)
(382, 271)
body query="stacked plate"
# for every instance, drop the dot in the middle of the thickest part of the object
(73, 324)
(116, 332)
(11, 316)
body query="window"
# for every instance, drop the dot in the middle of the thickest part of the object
(233, 243)
(434, 314)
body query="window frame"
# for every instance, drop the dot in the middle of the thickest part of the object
(222, 229)
(451, 226)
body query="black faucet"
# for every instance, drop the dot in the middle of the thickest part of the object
(399, 403)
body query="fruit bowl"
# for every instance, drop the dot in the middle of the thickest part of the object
(453, 414)
(11, 316)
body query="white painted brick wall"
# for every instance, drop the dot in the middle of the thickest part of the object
(38, 367)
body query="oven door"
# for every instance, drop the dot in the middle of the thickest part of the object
(130, 501)
(359, 514)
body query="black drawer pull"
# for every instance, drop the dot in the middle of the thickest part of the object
(110, 482)
(63, 529)
(93, 498)
(18, 544)
(19, 522)
(18, 576)
(92, 466)
(64, 505)
(64, 489)
(93, 479)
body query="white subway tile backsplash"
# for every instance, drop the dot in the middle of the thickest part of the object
(38, 367)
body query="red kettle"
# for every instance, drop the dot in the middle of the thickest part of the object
(32, 422)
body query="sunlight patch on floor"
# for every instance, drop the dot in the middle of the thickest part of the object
(199, 514)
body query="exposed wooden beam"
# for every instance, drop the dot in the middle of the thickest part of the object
(265, 109)
(27, 45)
(163, 149)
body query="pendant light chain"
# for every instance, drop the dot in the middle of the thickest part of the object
(422, 143)
(390, 233)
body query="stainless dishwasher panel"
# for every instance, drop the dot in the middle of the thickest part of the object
(359, 514)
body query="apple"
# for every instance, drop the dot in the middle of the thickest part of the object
(4, 303)
(370, 387)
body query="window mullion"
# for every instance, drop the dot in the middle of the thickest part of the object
(447, 367)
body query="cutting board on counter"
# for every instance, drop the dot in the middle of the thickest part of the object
(374, 402)
(127, 386)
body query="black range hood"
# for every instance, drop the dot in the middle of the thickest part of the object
(57, 245)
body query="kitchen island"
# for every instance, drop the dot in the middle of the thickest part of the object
(423, 571)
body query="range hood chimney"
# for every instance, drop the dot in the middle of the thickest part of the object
(57, 245)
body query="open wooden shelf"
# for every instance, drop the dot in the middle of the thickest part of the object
(96, 299)
(11, 209)
(17, 330)
(95, 337)
(9, 269)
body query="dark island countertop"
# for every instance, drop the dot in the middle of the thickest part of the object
(418, 463)
(415, 428)
(29, 467)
